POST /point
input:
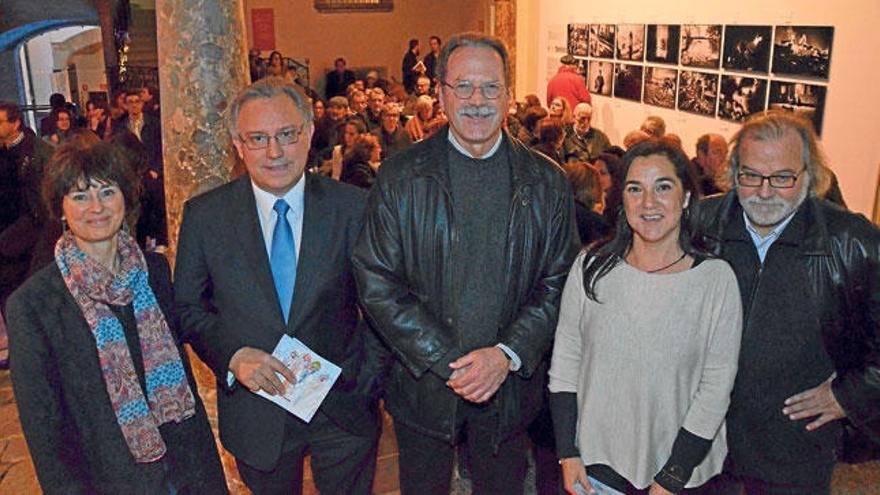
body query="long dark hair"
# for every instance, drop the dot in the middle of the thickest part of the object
(606, 254)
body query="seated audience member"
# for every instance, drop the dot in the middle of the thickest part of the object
(583, 142)
(654, 291)
(561, 109)
(63, 123)
(338, 79)
(528, 132)
(373, 113)
(103, 386)
(317, 110)
(419, 126)
(392, 136)
(47, 124)
(673, 139)
(348, 133)
(709, 162)
(423, 88)
(654, 126)
(361, 161)
(635, 137)
(327, 130)
(588, 202)
(550, 136)
(357, 107)
(98, 118)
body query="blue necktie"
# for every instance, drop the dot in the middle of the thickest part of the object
(283, 258)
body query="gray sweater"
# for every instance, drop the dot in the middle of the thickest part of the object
(657, 353)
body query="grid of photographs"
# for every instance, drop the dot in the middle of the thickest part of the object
(714, 70)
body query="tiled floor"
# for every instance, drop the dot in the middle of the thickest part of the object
(17, 472)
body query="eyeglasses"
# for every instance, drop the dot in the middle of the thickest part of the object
(464, 89)
(777, 181)
(260, 141)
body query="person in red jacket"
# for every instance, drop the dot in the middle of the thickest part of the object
(568, 83)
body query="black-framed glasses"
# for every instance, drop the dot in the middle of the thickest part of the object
(777, 181)
(463, 90)
(260, 141)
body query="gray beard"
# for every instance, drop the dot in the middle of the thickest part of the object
(781, 209)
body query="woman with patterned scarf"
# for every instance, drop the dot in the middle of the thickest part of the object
(105, 393)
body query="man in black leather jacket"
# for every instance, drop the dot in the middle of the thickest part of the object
(467, 241)
(809, 274)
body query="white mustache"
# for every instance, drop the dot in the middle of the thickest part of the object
(773, 202)
(477, 111)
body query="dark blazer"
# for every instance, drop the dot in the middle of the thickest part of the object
(68, 421)
(227, 300)
(151, 137)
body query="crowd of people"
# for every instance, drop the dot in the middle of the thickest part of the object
(501, 275)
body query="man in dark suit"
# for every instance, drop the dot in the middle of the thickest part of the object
(267, 255)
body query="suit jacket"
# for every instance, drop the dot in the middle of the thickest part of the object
(69, 423)
(227, 300)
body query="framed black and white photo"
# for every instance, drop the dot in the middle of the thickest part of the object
(802, 51)
(577, 39)
(697, 92)
(631, 42)
(747, 48)
(701, 45)
(582, 67)
(660, 84)
(602, 40)
(806, 100)
(662, 43)
(740, 97)
(628, 81)
(601, 77)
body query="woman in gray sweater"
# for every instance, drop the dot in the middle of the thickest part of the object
(647, 342)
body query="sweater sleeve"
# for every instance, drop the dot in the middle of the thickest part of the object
(565, 363)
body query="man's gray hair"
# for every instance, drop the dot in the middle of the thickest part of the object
(475, 40)
(267, 88)
(772, 125)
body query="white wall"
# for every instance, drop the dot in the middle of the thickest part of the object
(851, 129)
(55, 50)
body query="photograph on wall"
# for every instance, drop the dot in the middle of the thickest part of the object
(747, 48)
(802, 51)
(806, 100)
(599, 82)
(631, 42)
(582, 67)
(660, 85)
(662, 43)
(697, 92)
(701, 45)
(577, 39)
(602, 40)
(628, 81)
(740, 97)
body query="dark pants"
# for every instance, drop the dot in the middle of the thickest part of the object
(341, 462)
(728, 484)
(426, 462)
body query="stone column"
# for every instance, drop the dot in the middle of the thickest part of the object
(202, 65)
(505, 29)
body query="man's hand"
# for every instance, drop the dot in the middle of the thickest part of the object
(573, 471)
(255, 369)
(478, 374)
(819, 401)
(656, 489)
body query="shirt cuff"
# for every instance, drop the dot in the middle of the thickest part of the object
(515, 362)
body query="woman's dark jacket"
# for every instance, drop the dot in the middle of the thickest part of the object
(841, 252)
(404, 271)
(358, 174)
(68, 420)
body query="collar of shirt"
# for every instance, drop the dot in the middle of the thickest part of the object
(460, 148)
(15, 142)
(265, 200)
(763, 243)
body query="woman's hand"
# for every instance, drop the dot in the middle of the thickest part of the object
(658, 490)
(573, 471)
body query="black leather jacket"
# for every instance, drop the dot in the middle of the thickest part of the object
(403, 266)
(842, 253)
